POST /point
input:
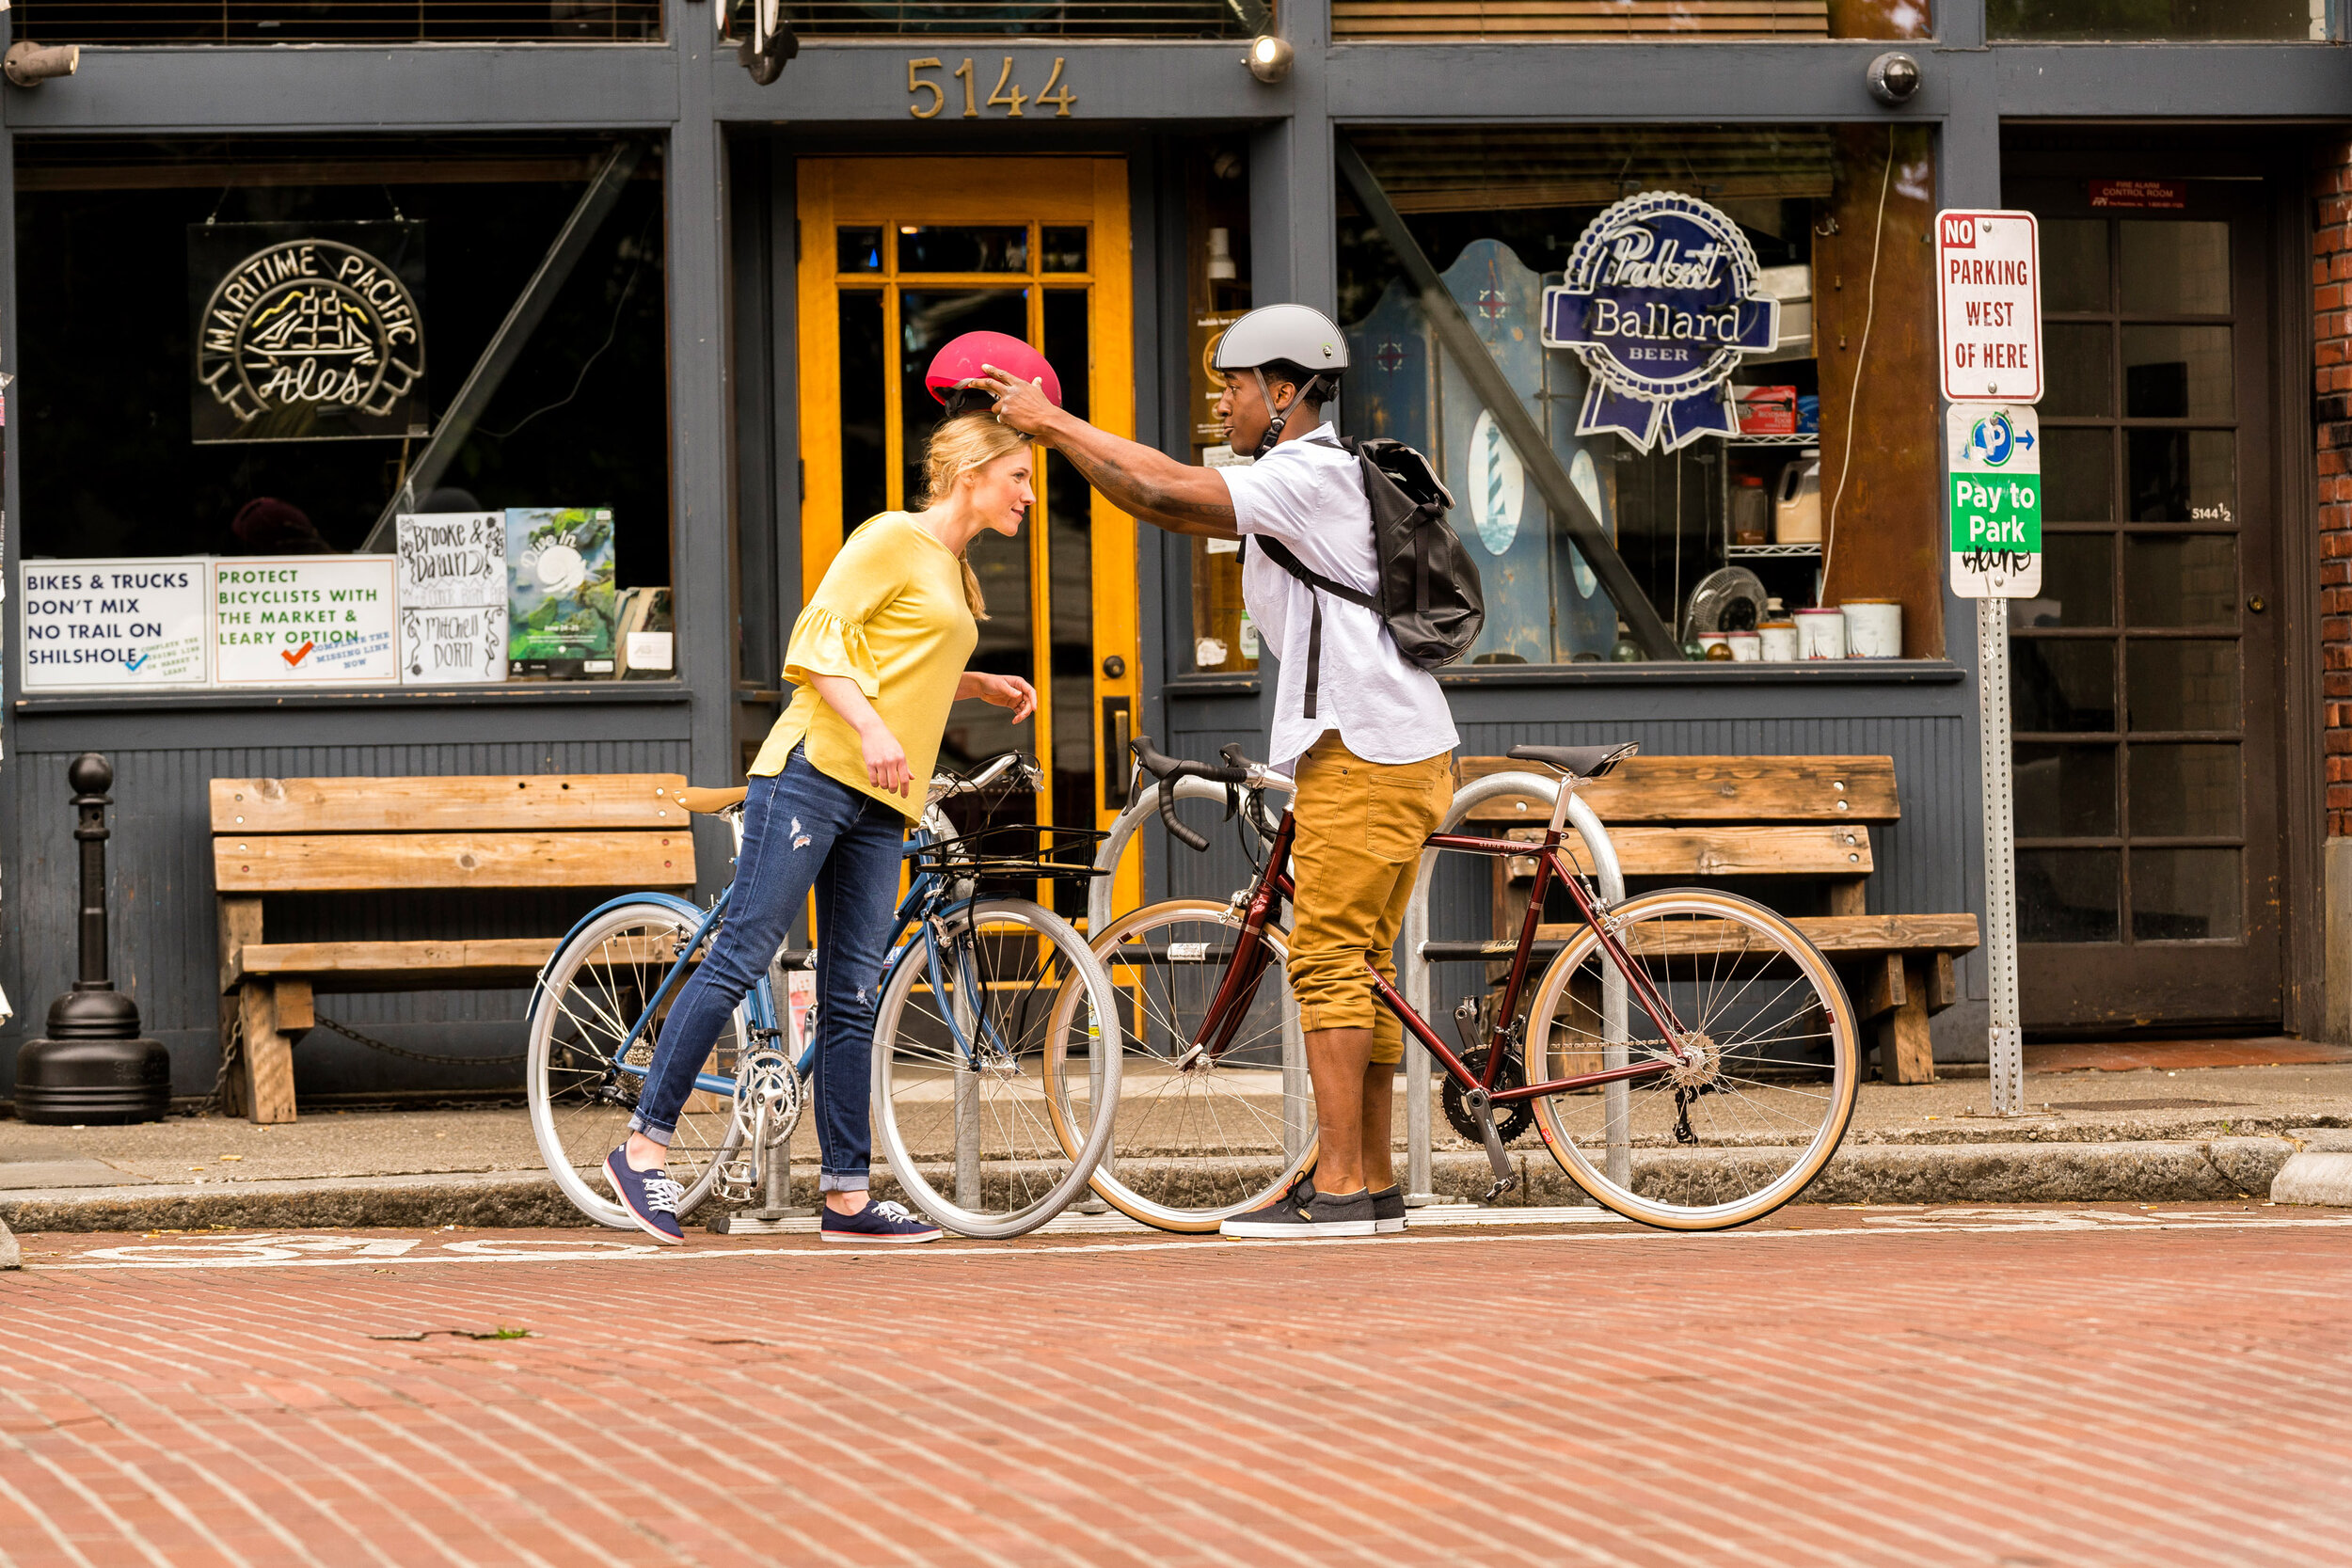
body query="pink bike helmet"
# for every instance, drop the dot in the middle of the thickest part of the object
(963, 358)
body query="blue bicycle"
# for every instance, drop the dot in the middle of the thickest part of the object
(977, 986)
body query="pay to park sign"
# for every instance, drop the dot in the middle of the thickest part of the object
(1997, 501)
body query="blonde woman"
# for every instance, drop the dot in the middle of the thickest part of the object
(876, 659)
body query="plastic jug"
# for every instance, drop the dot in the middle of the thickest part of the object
(1751, 510)
(1797, 503)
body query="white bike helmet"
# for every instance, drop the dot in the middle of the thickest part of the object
(1294, 334)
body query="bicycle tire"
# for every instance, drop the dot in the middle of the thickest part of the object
(994, 1148)
(1164, 1112)
(1794, 1077)
(570, 1076)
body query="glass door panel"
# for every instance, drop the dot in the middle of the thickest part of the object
(2146, 845)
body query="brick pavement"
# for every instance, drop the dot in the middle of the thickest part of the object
(1888, 1387)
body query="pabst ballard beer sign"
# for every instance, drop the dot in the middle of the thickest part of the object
(307, 332)
(1660, 301)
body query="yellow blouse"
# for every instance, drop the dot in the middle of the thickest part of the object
(890, 616)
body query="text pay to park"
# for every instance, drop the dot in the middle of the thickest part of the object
(1996, 463)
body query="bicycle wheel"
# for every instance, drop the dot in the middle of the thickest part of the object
(960, 1045)
(1197, 1139)
(580, 1095)
(1769, 1098)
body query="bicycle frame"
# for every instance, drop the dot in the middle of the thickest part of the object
(1251, 957)
(923, 897)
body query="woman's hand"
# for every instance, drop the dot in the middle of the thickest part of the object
(886, 759)
(1004, 691)
(1020, 404)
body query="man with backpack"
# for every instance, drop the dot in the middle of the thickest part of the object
(1334, 584)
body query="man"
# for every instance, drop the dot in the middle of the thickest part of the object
(1367, 735)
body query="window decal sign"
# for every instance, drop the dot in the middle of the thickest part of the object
(303, 620)
(307, 332)
(1661, 299)
(116, 625)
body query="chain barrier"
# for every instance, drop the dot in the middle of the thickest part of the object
(231, 1054)
(391, 1049)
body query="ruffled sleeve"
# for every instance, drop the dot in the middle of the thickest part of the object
(829, 639)
(824, 644)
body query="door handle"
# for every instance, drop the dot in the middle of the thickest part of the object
(1117, 770)
(2257, 604)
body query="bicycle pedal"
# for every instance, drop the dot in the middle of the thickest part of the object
(1507, 1184)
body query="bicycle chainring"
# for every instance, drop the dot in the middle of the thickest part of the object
(1511, 1120)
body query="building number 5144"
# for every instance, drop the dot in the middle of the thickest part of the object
(1006, 96)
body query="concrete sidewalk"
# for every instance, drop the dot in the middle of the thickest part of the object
(2146, 1134)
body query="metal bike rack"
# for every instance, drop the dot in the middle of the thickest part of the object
(1419, 1178)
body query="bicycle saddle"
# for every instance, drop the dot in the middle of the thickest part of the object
(1583, 762)
(710, 803)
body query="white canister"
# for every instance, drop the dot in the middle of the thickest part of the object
(1747, 647)
(1778, 641)
(1821, 633)
(1874, 628)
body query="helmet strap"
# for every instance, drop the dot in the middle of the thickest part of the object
(1278, 417)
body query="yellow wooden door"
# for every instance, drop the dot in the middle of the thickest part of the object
(898, 256)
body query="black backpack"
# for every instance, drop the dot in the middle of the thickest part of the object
(1429, 593)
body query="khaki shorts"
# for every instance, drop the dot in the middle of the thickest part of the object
(1360, 825)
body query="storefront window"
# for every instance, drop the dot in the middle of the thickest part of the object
(244, 461)
(1681, 317)
(2093, 21)
(1451, 21)
(251, 21)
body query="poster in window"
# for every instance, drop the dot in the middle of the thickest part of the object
(306, 620)
(307, 332)
(114, 626)
(560, 599)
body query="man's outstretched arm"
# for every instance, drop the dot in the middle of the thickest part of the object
(1138, 479)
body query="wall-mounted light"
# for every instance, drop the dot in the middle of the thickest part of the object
(28, 64)
(1893, 76)
(1270, 57)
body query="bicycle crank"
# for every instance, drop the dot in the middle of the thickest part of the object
(1480, 1107)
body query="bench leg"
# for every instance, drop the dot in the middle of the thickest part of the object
(268, 1069)
(1905, 1054)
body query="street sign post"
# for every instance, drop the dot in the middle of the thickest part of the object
(1988, 317)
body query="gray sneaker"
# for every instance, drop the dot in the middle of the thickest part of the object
(1387, 1211)
(1303, 1212)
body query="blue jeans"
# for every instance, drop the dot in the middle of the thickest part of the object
(801, 830)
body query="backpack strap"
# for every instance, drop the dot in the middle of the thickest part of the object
(1281, 555)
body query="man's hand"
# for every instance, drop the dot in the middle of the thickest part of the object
(1003, 690)
(1020, 404)
(1141, 481)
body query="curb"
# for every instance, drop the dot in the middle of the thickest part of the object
(2319, 1171)
(2148, 1172)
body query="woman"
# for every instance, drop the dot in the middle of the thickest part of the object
(877, 657)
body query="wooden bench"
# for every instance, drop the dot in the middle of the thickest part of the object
(369, 837)
(1798, 817)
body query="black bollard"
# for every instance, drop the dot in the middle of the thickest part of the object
(93, 1066)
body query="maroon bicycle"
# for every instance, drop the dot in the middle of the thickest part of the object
(1687, 1055)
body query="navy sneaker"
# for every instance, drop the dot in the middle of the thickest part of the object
(1387, 1211)
(649, 1195)
(1305, 1213)
(879, 1221)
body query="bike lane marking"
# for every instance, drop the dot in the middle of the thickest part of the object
(309, 1250)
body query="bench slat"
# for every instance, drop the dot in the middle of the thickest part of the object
(1718, 789)
(1735, 852)
(355, 861)
(559, 801)
(1834, 934)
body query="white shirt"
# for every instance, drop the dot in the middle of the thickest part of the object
(1310, 495)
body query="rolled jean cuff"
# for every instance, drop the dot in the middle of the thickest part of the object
(827, 1181)
(654, 1132)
